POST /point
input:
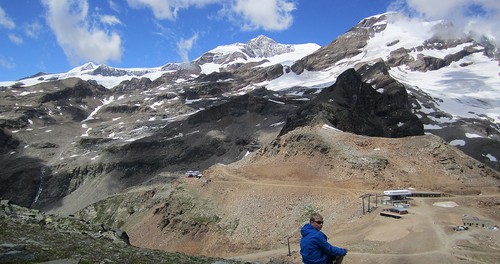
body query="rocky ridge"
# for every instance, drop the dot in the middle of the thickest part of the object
(308, 169)
(31, 236)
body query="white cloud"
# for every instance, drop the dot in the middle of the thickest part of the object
(110, 20)
(265, 14)
(185, 45)
(114, 6)
(15, 39)
(33, 30)
(163, 31)
(5, 20)
(248, 14)
(5, 63)
(473, 17)
(167, 9)
(81, 39)
(161, 9)
(448, 8)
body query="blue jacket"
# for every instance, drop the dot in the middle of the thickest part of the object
(314, 247)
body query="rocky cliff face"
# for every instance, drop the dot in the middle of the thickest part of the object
(354, 106)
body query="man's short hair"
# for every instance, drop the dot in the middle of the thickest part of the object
(315, 217)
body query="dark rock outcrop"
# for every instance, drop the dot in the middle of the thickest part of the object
(133, 85)
(7, 142)
(20, 178)
(354, 106)
(77, 90)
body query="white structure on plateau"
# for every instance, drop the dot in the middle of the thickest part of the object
(397, 192)
(396, 196)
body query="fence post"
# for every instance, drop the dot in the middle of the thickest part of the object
(363, 201)
(289, 252)
(369, 209)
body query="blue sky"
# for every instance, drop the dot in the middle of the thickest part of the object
(56, 35)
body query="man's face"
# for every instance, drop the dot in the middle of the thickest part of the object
(318, 224)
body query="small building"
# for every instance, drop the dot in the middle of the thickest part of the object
(394, 212)
(475, 221)
(396, 196)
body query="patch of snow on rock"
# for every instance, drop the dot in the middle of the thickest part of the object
(457, 142)
(471, 135)
(491, 157)
(325, 126)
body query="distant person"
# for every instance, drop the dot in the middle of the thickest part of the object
(314, 247)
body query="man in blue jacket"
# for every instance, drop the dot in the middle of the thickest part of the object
(314, 247)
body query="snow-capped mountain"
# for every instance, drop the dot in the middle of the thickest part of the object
(261, 50)
(100, 120)
(457, 71)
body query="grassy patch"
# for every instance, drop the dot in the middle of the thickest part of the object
(205, 219)
(308, 210)
(231, 226)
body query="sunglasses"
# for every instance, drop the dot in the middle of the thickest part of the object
(318, 222)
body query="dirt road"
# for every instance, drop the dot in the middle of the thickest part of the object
(425, 235)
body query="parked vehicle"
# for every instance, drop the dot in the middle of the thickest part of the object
(460, 228)
(195, 174)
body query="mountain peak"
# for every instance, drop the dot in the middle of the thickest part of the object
(85, 67)
(261, 39)
(255, 49)
(88, 66)
(263, 46)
